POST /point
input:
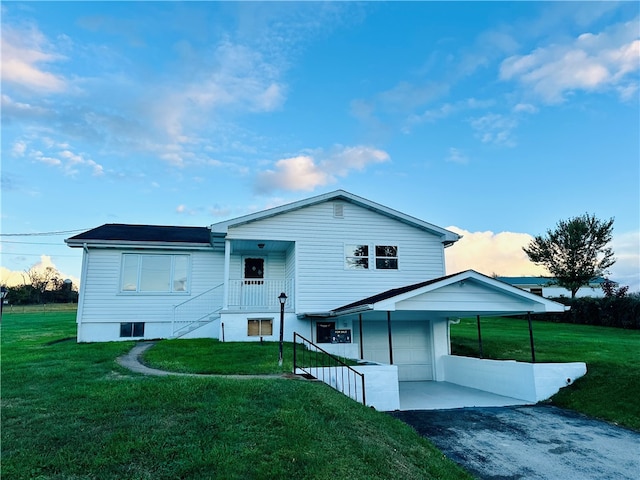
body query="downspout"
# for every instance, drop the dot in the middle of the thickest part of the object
(83, 281)
(449, 323)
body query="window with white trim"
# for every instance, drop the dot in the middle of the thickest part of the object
(386, 257)
(259, 327)
(358, 257)
(154, 273)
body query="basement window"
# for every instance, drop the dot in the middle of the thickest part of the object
(131, 329)
(259, 327)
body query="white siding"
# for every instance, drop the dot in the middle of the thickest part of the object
(467, 297)
(322, 282)
(102, 302)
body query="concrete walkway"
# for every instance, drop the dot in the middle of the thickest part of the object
(133, 361)
(530, 443)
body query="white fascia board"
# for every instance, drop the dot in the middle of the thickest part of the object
(138, 245)
(541, 304)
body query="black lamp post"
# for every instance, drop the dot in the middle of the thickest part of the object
(3, 294)
(282, 299)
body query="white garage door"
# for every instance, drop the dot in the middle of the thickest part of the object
(412, 351)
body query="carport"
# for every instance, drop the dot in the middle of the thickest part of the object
(408, 328)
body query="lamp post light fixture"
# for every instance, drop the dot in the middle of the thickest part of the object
(282, 299)
(3, 294)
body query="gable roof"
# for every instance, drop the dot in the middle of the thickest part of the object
(448, 237)
(158, 235)
(387, 300)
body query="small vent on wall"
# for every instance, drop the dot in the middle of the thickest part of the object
(338, 210)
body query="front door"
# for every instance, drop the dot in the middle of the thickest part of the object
(253, 291)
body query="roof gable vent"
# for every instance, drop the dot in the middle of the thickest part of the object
(338, 210)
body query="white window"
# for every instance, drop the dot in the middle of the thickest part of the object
(386, 257)
(356, 257)
(154, 273)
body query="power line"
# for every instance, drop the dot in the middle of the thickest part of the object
(40, 234)
(34, 243)
(11, 254)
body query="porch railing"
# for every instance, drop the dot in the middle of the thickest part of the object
(259, 293)
(197, 311)
(312, 361)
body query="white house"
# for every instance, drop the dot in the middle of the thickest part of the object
(362, 281)
(547, 287)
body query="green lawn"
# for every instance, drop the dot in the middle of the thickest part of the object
(210, 356)
(611, 388)
(70, 412)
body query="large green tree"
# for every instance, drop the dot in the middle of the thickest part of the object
(575, 252)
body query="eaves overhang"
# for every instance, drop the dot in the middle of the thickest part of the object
(137, 245)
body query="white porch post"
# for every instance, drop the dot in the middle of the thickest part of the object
(227, 268)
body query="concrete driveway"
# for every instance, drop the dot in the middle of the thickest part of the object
(530, 442)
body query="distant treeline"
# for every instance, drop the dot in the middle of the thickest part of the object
(611, 311)
(29, 295)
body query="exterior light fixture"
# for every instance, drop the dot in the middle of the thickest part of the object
(261, 246)
(282, 299)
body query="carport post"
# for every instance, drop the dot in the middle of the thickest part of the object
(533, 350)
(361, 346)
(390, 341)
(479, 336)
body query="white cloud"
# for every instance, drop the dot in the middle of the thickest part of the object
(296, 173)
(495, 128)
(488, 252)
(626, 270)
(19, 148)
(591, 62)
(501, 253)
(24, 52)
(525, 108)
(307, 172)
(60, 155)
(456, 156)
(12, 278)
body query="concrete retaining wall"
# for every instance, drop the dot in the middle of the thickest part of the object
(526, 381)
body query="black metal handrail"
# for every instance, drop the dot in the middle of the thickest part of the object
(317, 363)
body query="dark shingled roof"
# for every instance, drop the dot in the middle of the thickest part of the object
(113, 232)
(392, 293)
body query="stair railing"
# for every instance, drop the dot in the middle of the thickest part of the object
(312, 361)
(197, 309)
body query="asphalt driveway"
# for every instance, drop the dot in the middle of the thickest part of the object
(530, 442)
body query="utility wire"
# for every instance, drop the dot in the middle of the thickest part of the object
(34, 243)
(40, 234)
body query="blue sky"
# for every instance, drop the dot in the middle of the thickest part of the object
(493, 119)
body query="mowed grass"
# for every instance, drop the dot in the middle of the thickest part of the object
(210, 356)
(70, 412)
(611, 388)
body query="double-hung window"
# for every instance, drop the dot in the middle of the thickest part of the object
(154, 273)
(356, 257)
(364, 257)
(386, 257)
